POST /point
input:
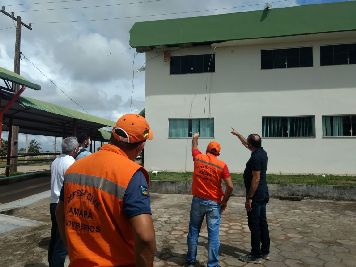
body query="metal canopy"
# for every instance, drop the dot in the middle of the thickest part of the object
(9, 76)
(42, 118)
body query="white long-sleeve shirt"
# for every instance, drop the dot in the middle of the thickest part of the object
(58, 168)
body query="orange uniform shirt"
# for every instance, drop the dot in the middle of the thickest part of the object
(97, 229)
(207, 177)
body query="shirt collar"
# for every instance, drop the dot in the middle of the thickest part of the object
(258, 149)
(113, 148)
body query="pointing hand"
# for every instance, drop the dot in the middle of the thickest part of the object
(234, 132)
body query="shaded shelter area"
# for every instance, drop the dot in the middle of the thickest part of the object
(42, 118)
(37, 117)
(13, 86)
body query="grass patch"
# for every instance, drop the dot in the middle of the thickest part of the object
(309, 179)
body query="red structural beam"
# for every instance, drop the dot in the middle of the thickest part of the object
(8, 106)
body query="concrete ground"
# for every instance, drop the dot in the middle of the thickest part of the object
(31, 168)
(303, 233)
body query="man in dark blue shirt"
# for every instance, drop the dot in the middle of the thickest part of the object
(257, 197)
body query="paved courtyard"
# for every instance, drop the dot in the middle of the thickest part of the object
(303, 233)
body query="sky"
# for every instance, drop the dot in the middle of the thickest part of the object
(79, 52)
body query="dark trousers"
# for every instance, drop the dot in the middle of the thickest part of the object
(56, 251)
(257, 222)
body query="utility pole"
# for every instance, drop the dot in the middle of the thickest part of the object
(13, 139)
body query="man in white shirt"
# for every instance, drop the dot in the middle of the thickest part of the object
(57, 251)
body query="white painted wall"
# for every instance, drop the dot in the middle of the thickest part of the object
(240, 94)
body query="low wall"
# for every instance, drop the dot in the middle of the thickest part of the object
(22, 177)
(331, 192)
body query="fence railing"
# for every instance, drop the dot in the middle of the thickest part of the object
(27, 159)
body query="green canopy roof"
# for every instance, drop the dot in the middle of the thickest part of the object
(16, 78)
(55, 109)
(268, 23)
(105, 133)
(38, 117)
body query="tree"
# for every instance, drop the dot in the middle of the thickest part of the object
(34, 147)
(3, 147)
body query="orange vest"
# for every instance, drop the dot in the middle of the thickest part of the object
(97, 230)
(207, 177)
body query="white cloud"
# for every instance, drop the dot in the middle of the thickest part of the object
(92, 61)
(93, 58)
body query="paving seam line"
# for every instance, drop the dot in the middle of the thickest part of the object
(20, 203)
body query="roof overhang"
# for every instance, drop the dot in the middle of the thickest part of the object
(12, 77)
(42, 118)
(260, 24)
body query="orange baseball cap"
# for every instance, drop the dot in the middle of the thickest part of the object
(213, 148)
(132, 128)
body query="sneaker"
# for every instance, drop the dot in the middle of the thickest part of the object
(265, 257)
(251, 258)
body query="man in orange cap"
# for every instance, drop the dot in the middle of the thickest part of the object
(104, 213)
(208, 199)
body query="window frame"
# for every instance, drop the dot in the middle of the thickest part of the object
(338, 136)
(290, 137)
(190, 123)
(286, 52)
(332, 46)
(202, 57)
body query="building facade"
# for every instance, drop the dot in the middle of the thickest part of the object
(297, 90)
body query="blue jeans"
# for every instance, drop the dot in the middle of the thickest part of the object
(199, 209)
(57, 252)
(257, 222)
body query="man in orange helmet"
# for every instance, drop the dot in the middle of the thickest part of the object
(208, 199)
(104, 215)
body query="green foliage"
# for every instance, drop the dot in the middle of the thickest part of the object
(309, 179)
(3, 148)
(34, 147)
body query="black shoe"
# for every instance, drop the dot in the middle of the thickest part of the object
(251, 258)
(265, 257)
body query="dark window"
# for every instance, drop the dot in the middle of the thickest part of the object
(183, 128)
(192, 64)
(175, 65)
(279, 59)
(344, 125)
(306, 57)
(302, 126)
(266, 59)
(338, 54)
(292, 59)
(287, 58)
(353, 54)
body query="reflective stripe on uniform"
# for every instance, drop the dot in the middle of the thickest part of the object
(209, 163)
(97, 182)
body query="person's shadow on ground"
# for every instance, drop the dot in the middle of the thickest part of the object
(166, 253)
(225, 249)
(44, 243)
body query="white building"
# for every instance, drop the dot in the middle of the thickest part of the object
(288, 74)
